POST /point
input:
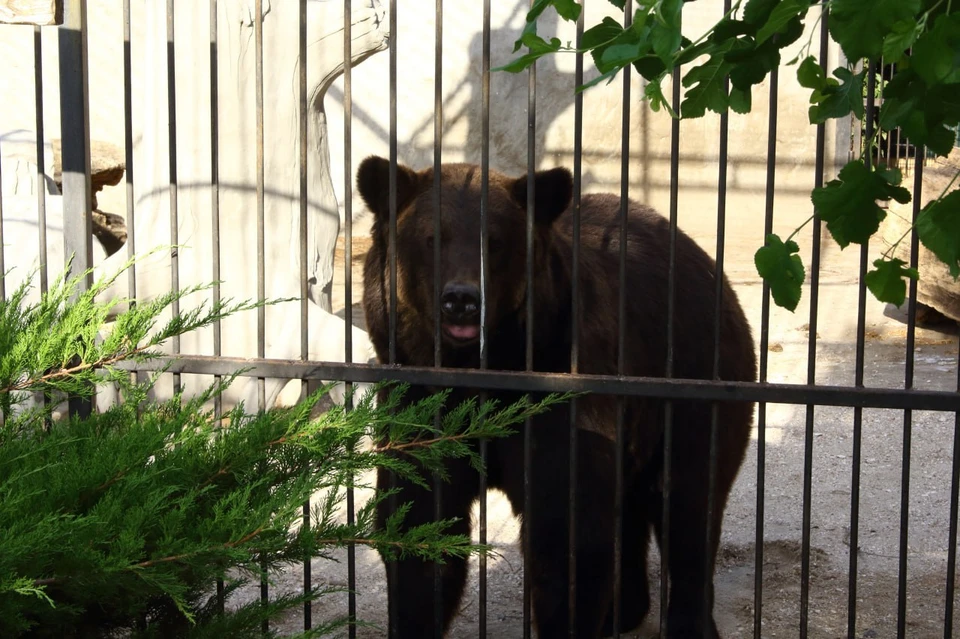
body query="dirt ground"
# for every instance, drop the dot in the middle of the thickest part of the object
(930, 446)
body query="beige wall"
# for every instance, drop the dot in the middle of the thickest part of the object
(462, 20)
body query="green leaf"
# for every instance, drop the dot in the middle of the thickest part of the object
(705, 84)
(619, 4)
(753, 63)
(861, 26)
(903, 34)
(665, 36)
(620, 55)
(782, 15)
(938, 226)
(568, 9)
(728, 29)
(650, 67)
(601, 33)
(741, 100)
(653, 92)
(780, 266)
(849, 204)
(926, 115)
(810, 74)
(838, 100)
(612, 46)
(936, 55)
(886, 280)
(757, 12)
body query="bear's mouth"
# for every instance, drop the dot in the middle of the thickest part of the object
(462, 334)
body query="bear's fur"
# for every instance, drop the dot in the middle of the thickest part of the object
(691, 558)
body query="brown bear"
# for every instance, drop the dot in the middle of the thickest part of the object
(690, 556)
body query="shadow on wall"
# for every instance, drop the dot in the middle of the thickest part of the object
(463, 129)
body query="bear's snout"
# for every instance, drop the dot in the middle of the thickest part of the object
(460, 303)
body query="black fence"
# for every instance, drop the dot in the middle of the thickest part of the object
(856, 399)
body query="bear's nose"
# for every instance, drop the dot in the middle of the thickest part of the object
(460, 301)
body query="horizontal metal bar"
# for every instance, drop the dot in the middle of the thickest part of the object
(690, 389)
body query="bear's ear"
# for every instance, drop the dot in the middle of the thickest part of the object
(373, 183)
(553, 190)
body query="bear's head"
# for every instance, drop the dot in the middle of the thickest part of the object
(459, 242)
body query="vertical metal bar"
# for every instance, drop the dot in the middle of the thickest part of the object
(717, 313)
(812, 361)
(3, 267)
(304, 291)
(952, 534)
(75, 132)
(215, 220)
(621, 333)
(528, 349)
(392, 239)
(764, 356)
(858, 381)
(128, 149)
(172, 137)
(41, 180)
(918, 151)
(348, 284)
(261, 267)
(484, 281)
(437, 284)
(392, 266)
(668, 369)
(75, 154)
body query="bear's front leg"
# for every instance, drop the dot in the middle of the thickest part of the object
(548, 522)
(411, 587)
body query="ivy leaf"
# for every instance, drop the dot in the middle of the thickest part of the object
(902, 35)
(936, 55)
(860, 26)
(778, 263)
(886, 280)
(837, 100)
(849, 204)
(783, 14)
(938, 227)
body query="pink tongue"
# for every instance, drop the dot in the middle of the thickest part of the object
(462, 332)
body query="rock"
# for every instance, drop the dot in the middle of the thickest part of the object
(107, 165)
(110, 229)
(937, 288)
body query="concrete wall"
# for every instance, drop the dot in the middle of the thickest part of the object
(462, 20)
